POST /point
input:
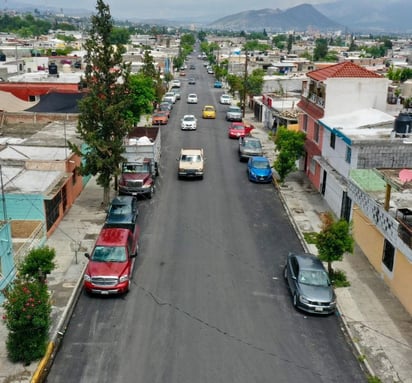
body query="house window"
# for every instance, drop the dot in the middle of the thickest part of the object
(316, 133)
(348, 154)
(388, 255)
(305, 122)
(332, 140)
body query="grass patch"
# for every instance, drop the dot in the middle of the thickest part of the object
(338, 279)
(310, 237)
(374, 379)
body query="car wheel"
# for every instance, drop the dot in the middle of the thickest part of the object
(285, 273)
(151, 191)
(295, 300)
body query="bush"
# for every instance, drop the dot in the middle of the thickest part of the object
(338, 278)
(38, 263)
(27, 317)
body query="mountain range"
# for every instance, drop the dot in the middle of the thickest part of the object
(367, 16)
(301, 18)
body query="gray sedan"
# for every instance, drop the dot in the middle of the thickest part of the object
(309, 284)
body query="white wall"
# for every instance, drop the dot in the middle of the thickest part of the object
(346, 94)
(336, 157)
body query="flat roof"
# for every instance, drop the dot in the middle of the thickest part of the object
(364, 124)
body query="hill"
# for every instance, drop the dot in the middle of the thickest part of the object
(299, 18)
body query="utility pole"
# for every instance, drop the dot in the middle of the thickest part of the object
(244, 86)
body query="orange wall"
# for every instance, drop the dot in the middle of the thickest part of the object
(371, 241)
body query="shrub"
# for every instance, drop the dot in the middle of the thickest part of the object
(338, 279)
(38, 263)
(27, 317)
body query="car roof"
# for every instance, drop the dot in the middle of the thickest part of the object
(308, 261)
(259, 158)
(191, 151)
(208, 107)
(246, 139)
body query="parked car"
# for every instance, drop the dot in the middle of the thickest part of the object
(189, 122)
(210, 71)
(182, 73)
(309, 284)
(192, 98)
(122, 213)
(176, 91)
(169, 97)
(160, 118)
(225, 99)
(192, 81)
(110, 266)
(191, 163)
(259, 170)
(239, 129)
(248, 147)
(192, 66)
(175, 84)
(217, 84)
(208, 111)
(234, 113)
(166, 107)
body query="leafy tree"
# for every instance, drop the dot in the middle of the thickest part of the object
(290, 147)
(38, 263)
(333, 241)
(120, 36)
(290, 43)
(103, 120)
(142, 96)
(279, 41)
(201, 36)
(27, 307)
(254, 82)
(321, 49)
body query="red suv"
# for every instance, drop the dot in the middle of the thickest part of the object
(111, 263)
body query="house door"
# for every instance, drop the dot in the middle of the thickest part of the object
(346, 208)
(323, 184)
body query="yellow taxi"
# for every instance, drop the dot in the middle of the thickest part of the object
(209, 111)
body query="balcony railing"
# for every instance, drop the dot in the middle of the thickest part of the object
(404, 217)
(320, 101)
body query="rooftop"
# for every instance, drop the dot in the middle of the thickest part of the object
(343, 69)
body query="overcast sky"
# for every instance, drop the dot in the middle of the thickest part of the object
(164, 9)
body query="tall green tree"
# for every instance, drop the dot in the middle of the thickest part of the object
(333, 241)
(290, 147)
(104, 120)
(321, 49)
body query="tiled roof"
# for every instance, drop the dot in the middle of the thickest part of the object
(343, 69)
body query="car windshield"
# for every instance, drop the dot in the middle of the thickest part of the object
(314, 277)
(120, 210)
(234, 110)
(209, 108)
(261, 165)
(238, 127)
(191, 158)
(109, 254)
(253, 144)
(191, 118)
(135, 168)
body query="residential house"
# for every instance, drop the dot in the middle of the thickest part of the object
(382, 225)
(343, 115)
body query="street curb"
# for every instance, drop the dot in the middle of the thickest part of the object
(361, 357)
(44, 365)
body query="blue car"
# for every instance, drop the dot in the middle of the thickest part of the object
(218, 84)
(259, 170)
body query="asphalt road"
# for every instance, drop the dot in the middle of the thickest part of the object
(208, 302)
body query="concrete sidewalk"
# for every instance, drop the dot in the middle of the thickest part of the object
(379, 327)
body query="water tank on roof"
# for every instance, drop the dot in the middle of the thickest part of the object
(403, 123)
(52, 68)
